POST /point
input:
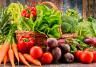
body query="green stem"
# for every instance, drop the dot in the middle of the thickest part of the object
(19, 27)
(9, 36)
(27, 26)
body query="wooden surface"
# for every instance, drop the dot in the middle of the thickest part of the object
(61, 65)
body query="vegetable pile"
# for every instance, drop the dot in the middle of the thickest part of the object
(43, 35)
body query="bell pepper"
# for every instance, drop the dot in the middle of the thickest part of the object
(25, 43)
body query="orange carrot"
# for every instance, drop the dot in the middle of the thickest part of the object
(23, 59)
(3, 51)
(31, 60)
(11, 56)
(0, 46)
(14, 48)
(5, 59)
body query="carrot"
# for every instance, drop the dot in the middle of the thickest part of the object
(23, 59)
(3, 51)
(5, 59)
(31, 60)
(11, 56)
(0, 46)
(14, 48)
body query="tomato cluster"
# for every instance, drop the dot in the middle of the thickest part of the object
(29, 11)
(37, 53)
(86, 56)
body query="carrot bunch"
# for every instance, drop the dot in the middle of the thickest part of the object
(9, 52)
(5, 48)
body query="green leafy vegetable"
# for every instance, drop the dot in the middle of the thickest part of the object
(15, 10)
(4, 22)
(78, 44)
(87, 28)
(83, 29)
(48, 21)
(93, 25)
(70, 21)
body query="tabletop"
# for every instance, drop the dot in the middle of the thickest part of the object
(60, 65)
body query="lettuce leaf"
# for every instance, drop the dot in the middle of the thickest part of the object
(48, 21)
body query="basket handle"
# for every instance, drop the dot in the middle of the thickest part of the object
(50, 4)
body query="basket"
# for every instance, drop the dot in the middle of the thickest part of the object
(50, 4)
(63, 35)
(20, 34)
(69, 35)
(39, 38)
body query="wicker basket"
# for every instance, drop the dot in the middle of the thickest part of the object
(69, 35)
(20, 34)
(39, 38)
(63, 35)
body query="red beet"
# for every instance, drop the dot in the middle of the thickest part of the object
(90, 41)
(52, 42)
(68, 57)
(56, 53)
(61, 41)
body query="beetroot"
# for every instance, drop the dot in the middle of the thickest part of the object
(90, 41)
(61, 41)
(52, 42)
(68, 57)
(56, 53)
(65, 48)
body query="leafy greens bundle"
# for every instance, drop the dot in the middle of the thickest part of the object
(70, 21)
(47, 22)
(87, 28)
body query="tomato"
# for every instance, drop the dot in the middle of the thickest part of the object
(28, 7)
(86, 57)
(33, 9)
(28, 15)
(94, 56)
(23, 13)
(78, 54)
(33, 13)
(47, 58)
(28, 11)
(36, 52)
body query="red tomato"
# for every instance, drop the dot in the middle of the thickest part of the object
(78, 54)
(28, 15)
(33, 9)
(29, 7)
(47, 58)
(33, 13)
(24, 12)
(86, 57)
(94, 56)
(36, 52)
(28, 11)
